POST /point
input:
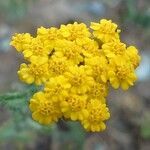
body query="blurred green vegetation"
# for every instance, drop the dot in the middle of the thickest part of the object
(14, 9)
(16, 103)
(136, 16)
(145, 129)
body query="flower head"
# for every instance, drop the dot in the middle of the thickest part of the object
(34, 73)
(44, 110)
(37, 48)
(69, 50)
(75, 68)
(98, 91)
(99, 66)
(97, 114)
(74, 31)
(49, 36)
(90, 47)
(112, 49)
(106, 31)
(74, 107)
(80, 79)
(57, 88)
(121, 73)
(57, 66)
(21, 41)
(132, 53)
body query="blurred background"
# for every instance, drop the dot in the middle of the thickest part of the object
(129, 125)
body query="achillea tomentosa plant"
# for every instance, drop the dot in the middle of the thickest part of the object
(75, 68)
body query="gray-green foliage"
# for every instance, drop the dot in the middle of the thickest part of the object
(74, 137)
(20, 126)
(19, 122)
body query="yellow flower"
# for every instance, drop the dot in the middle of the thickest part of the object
(90, 47)
(98, 91)
(80, 79)
(115, 48)
(21, 41)
(121, 73)
(73, 31)
(50, 34)
(132, 52)
(34, 73)
(99, 66)
(75, 67)
(97, 114)
(44, 110)
(70, 50)
(106, 31)
(57, 88)
(73, 107)
(57, 66)
(37, 48)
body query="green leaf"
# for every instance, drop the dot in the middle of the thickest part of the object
(145, 129)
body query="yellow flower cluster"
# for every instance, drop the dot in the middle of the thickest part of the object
(76, 68)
